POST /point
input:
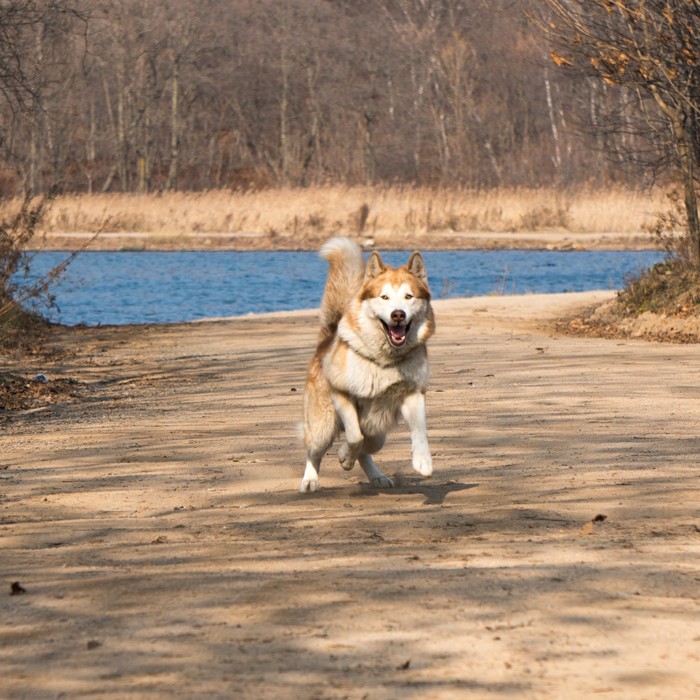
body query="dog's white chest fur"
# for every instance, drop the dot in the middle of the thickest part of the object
(352, 373)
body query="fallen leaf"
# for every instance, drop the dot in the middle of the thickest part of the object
(404, 666)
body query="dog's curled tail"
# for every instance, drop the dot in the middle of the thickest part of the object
(347, 269)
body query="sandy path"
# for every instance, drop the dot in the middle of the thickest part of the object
(165, 551)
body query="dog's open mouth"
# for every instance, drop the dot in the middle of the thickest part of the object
(396, 334)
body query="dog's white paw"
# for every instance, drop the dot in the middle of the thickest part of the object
(423, 464)
(309, 485)
(382, 482)
(347, 456)
(309, 482)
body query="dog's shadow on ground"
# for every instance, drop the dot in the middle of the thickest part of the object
(434, 493)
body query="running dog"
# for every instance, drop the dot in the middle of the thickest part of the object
(371, 362)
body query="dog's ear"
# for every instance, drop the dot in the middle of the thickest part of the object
(375, 266)
(416, 266)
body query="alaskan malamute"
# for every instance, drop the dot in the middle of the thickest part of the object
(371, 362)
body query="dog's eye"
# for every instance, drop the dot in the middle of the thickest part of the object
(409, 296)
(385, 297)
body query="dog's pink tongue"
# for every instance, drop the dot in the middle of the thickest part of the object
(398, 334)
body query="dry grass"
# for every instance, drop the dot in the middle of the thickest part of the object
(365, 211)
(671, 288)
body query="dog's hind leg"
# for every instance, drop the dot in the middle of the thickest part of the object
(315, 450)
(376, 477)
(320, 429)
(347, 457)
(310, 481)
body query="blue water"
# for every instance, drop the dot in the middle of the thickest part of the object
(155, 287)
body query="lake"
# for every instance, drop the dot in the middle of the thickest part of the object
(101, 288)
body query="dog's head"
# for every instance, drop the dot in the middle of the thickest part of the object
(399, 300)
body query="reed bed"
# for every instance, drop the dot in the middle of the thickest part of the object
(366, 211)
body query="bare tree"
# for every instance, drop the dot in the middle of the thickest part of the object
(650, 49)
(162, 94)
(36, 42)
(34, 36)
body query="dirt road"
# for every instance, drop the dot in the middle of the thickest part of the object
(156, 529)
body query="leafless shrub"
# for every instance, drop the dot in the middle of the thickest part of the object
(15, 261)
(16, 233)
(545, 218)
(669, 227)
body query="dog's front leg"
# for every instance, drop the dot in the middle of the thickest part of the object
(413, 412)
(347, 412)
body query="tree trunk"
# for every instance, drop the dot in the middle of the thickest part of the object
(30, 186)
(284, 143)
(683, 145)
(691, 208)
(369, 160)
(690, 195)
(174, 130)
(90, 147)
(122, 142)
(556, 158)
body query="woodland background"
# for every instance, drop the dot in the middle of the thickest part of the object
(151, 95)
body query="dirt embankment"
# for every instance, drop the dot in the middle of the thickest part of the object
(160, 549)
(542, 240)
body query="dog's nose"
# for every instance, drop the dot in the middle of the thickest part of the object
(398, 316)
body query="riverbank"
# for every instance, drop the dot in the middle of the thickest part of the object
(135, 241)
(153, 523)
